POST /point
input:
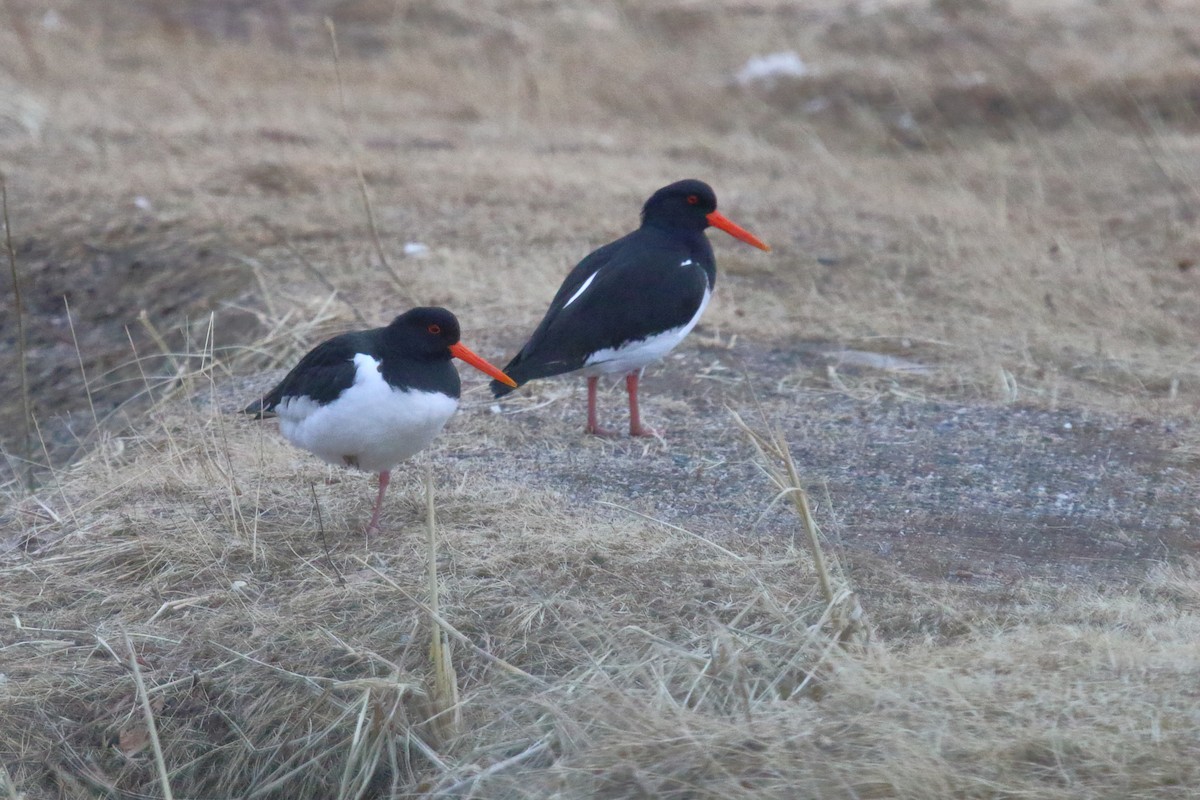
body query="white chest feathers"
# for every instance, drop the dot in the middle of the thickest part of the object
(371, 426)
(637, 354)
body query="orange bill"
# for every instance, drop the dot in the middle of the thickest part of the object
(460, 350)
(719, 220)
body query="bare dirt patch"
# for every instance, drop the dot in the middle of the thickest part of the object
(945, 490)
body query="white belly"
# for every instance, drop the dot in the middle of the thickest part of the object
(371, 426)
(637, 354)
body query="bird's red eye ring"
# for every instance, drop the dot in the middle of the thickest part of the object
(693, 199)
(434, 328)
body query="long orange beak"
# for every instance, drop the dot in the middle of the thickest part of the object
(460, 350)
(719, 220)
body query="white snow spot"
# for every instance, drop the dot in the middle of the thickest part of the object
(142, 202)
(768, 69)
(883, 361)
(816, 105)
(415, 249)
(51, 21)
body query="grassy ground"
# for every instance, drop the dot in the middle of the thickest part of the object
(976, 334)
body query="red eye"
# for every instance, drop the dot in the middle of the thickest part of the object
(435, 329)
(693, 199)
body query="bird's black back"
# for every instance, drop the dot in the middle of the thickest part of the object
(410, 356)
(640, 290)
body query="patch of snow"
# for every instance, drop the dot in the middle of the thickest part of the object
(865, 358)
(416, 249)
(816, 105)
(970, 79)
(768, 69)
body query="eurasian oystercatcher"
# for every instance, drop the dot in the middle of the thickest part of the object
(630, 302)
(371, 399)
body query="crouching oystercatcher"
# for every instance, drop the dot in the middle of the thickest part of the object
(630, 302)
(371, 399)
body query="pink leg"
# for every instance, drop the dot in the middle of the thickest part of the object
(384, 478)
(636, 428)
(593, 427)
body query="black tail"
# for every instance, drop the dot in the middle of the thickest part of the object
(523, 370)
(260, 408)
(499, 389)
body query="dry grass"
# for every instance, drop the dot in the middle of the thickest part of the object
(1001, 193)
(608, 655)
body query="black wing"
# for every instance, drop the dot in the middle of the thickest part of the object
(640, 289)
(323, 374)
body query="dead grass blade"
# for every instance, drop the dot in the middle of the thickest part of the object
(446, 713)
(309, 267)
(151, 728)
(723, 550)
(529, 753)
(451, 630)
(7, 786)
(87, 387)
(847, 614)
(22, 344)
(368, 208)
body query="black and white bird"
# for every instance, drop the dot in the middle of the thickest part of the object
(632, 301)
(371, 399)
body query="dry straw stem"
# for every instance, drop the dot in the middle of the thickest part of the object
(779, 466)
(87, 387)
(7, 786)
(451, 630)
(309, 267)
(368, 208)
(446, 712)
(148, 712)
(22, 351)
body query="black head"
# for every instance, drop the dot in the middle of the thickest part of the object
(691, 205)
(683, 204)
(425, 332)
(430, 333)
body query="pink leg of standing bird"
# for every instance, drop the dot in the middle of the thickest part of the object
(384, 478)
(636, 428)
(593, 426)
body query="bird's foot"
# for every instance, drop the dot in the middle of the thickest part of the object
(591, 429)
(643, 430)
(372, 527)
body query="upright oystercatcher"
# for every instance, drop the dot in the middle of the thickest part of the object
(630, 302)
(371, 399)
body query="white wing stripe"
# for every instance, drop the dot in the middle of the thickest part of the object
(582, 289)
